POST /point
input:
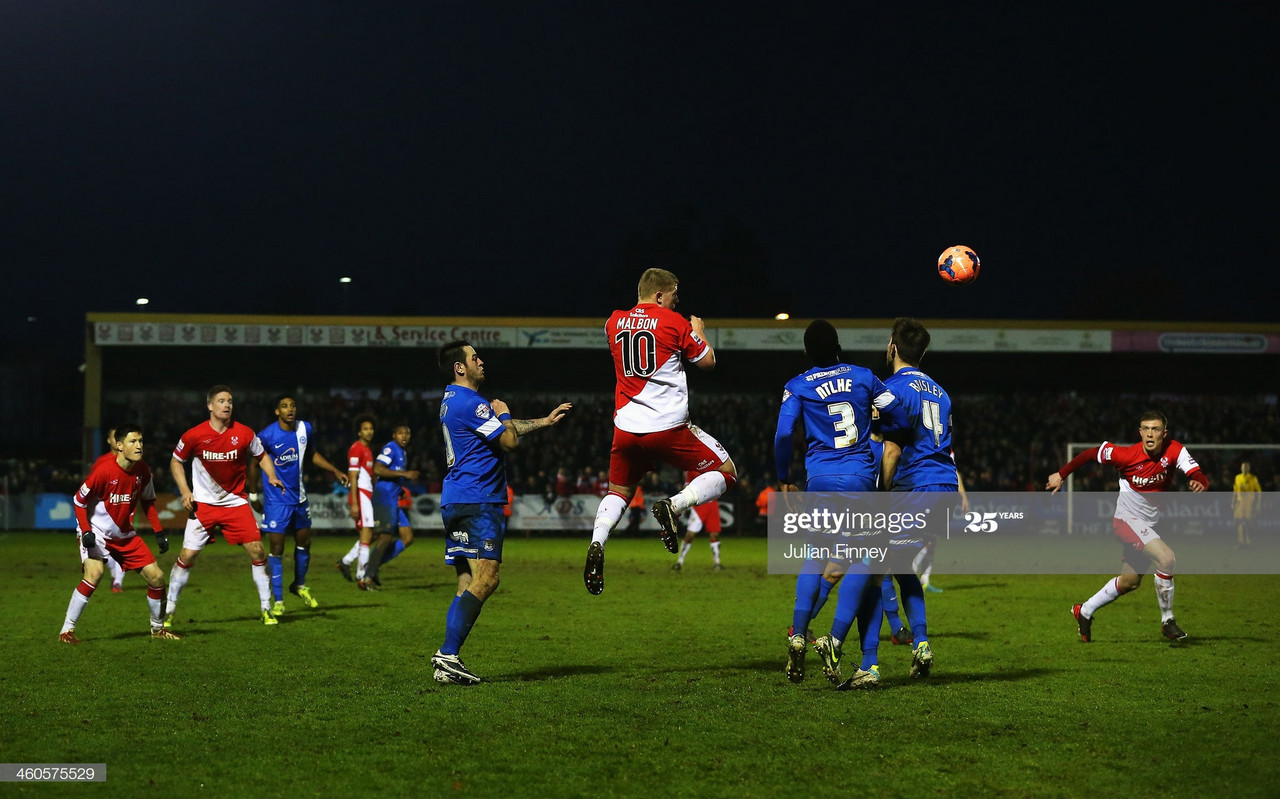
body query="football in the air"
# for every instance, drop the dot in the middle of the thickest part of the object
(958, 265)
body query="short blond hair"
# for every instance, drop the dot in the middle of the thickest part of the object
(654, 280)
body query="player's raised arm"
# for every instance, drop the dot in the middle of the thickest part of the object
(707, 361)
(1055, 479)
(510, 438)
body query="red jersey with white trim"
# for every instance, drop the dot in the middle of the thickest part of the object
(110, 496)
(1140, 475)
(219, 462)
(360, 458)
(648, 344)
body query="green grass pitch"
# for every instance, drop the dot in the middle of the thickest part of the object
(668, 684)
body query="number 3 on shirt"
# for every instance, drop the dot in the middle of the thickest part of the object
(847, 426)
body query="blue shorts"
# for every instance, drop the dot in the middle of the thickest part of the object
(838, 486)
(473, 531)
(281, 518)
(844, 483)
(904, 548)
(388, 519)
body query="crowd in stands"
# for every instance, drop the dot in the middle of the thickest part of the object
(1003, 442)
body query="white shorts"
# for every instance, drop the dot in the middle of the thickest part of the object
(99, 552)
(1137, 533)
(695, 522)
(195, 536)
(366, 509)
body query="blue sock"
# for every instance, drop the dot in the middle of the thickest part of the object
(889, 601)
(824, 591)
(275, 568)
(301, 560)
(448, 622)
(458, 623)
(391, 552)
(847, 602)
(806, 592)
(869, 625)
(912, 593)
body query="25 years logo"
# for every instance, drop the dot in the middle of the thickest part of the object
(980, 522)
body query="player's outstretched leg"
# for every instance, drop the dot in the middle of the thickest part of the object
(593, 574)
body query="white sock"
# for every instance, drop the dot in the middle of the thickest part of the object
(607, 517)
(1109, 593)
(684, 550)
(155, 601)
(1164, 595)
(79, 598)
(352, 554)
(263, 583)
(117, 571)
(178, 576)
(715, 550)
(362, 560)
(703, 488)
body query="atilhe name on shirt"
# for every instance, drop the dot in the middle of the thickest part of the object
(834, 386)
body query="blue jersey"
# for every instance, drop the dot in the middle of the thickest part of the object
(923, 418)
(386, 490)
(288, 451)
(477, 471)
(877, 452)
(835, 404)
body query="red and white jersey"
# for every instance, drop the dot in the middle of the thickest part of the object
(219, 462)
(1140, 475)
(647, 344)
(360, 458)
(110, 496)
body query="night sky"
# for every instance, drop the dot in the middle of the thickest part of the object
(532, 158)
